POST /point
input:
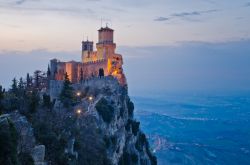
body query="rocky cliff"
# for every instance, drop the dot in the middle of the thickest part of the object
(98, 129)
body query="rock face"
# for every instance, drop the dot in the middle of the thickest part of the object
(113, 112)
(38, 154)
(26, 139)
(99, 129)
(26, 142)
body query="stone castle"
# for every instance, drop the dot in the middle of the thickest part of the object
(102, 62)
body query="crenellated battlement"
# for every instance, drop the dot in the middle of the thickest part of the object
(95, 62)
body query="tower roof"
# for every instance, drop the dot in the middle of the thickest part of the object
(87, 41)
(105, 29)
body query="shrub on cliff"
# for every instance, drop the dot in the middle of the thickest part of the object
(105, 110)
(128, 125)
(141, 141)
(44, 132)
(46, 102)
(25, 159)
(134, 158)
(135, 127)
(130, 105)
(33, 101)
(8, 144)
(152, 158)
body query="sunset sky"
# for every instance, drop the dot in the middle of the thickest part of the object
(61, 24)
(204, 43)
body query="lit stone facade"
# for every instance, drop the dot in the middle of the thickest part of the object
(103, 61)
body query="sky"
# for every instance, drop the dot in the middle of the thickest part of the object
(178, 45)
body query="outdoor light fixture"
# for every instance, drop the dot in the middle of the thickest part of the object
(78, 93)
(79, 111)
(90, 98)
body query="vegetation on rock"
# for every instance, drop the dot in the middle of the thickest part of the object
(2, 92)
(67, 95)
(8, 144)
(69, 137)
(105, 110)
(130, 108)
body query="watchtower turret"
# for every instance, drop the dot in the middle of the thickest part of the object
(87, 45)
(105, 35)
(87, 49)
(105, 46)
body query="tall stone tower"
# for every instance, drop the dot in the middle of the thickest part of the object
(87, 49)
(105, 45)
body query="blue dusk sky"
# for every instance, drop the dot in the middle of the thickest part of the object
(167, 45)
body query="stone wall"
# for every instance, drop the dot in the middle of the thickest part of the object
(55, 88)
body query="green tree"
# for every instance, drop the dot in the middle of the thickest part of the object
(46, 101)
(21, 89)
(67, 94)
(37, 76)
(2, 92)
(21, 84)
(14, 88)
(48, 72)
(25, 159)
(48, 77)
(28, 80)
(105, 110)
(33, 101)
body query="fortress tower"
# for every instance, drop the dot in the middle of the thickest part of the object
(103, 62)
(87, 50)
(105, 45)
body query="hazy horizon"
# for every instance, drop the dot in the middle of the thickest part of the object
(190, 66)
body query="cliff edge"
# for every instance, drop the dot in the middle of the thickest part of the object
(98, 129)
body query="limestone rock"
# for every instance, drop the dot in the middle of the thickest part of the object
(38, 153)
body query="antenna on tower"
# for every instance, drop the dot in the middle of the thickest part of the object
(101, 22)
(111, 24)
(83, 37)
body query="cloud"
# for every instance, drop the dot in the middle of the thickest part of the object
(247, 4)
(210, 1)
(193, 13)
(77, 7)
(36, 8)
(20, 2)
(161, 19)
(10, 25)
(185, 15)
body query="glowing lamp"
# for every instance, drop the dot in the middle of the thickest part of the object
(79, 111)
(78, 93)
(90, 98)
